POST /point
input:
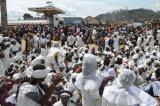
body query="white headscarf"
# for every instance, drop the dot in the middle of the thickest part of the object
(87, 79)
(122, 93)
(89, 65)
(37, 73)
(38, 60)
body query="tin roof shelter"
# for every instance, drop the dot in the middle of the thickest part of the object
(48, 11)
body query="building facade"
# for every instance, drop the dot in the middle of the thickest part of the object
(73, 20)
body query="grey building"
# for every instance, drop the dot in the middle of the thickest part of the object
(73, 20)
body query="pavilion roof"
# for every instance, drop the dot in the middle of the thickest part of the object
(47, 10)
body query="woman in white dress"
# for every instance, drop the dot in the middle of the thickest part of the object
(88, 82)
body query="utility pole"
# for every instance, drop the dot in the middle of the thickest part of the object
(4, 21)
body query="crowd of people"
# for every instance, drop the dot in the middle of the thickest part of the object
(45, 66)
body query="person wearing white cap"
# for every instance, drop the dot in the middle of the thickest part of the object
(88, 82)
(31, 92)
(123, 93)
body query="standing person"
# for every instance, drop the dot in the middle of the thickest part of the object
(63, 38)
(94, 33)
(150, 42)
(71, 41)
(110, 43)
(116, 42)
(88, 82)
(79, 41)
(158, 36)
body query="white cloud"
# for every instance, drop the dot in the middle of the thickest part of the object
(82, 8)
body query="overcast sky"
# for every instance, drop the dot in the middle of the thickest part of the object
(82, 8)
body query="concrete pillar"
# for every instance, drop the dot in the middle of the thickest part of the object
(4, 20)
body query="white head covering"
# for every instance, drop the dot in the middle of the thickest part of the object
(135, 56)
(16, 76)
(122, 93)
(37, 73)
(126, 77)
(38, 60)
(89, 65)
(88, 80)
(17, 58)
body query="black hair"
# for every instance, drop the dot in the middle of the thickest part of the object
(157, 73)
(106, 61)
(39, 67)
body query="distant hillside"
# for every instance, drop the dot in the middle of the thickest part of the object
(131, 15)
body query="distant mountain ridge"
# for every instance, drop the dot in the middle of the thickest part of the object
(130, 15)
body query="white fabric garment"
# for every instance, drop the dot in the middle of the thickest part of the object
(37, 73)
(51, 60)
(139, 41)
(79, 42)
(7, 60)
(71, 40)
(156, 88)
(36, 42)
(88, 82)
(123, 93)
(38, 60)
(59, 103)
(11, 99)
(132, 96)
(2, 68)
(106, 42)
(116, 43)
(23, 100)
(16, 47)
(151, 42)
(43, 41)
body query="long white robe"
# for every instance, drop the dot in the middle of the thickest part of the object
(36, 42)
(70, 40)
(7, 60)
(151, 42)
(2, 68)
(116, 43)
(139, 40)
(79, 42)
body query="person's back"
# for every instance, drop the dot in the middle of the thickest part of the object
(23, 100)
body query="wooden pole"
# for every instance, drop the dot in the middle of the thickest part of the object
(4, 20)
